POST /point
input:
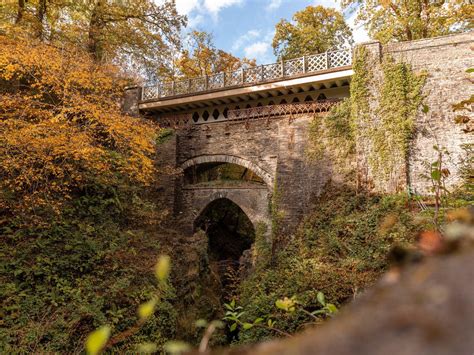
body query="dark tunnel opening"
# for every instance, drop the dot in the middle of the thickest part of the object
(230, 233)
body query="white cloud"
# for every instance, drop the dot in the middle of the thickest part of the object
(274, 4)
(257, 50)
(214, 6)
(245, 38)
(198, 10)
(358, 31)
(186, 6)
(255, 44)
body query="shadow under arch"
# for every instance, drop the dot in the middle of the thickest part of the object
(230, 159)
(230, 231)
(230, 234)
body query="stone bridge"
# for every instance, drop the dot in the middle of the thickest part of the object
(258, 119)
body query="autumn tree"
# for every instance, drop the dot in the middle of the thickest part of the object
(201, 57)
(315, 29)
(406, 20)
(140, 35)
(61, 129)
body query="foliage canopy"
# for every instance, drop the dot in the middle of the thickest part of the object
(140, 35)
(201, 57)
(406, 20)
(315, 29)
(61, 129)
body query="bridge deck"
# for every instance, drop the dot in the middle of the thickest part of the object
(287, 69)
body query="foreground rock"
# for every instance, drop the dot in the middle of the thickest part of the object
(427, 308)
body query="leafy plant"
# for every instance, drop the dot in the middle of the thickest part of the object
(99, 341)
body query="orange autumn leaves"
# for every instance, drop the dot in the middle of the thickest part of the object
(61, 128)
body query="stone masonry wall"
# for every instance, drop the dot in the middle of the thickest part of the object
(277, 147)
(445, 60)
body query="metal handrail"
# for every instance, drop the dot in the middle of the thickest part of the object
(253, 75)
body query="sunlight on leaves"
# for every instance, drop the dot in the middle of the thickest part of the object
(97, 340)
(162, 268)
(176, 347)
(145, 310)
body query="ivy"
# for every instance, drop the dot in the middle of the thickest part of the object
(333, 135)
(382, 126)
(359, 91)
(400, 98)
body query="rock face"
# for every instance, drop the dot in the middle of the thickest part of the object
(427, 309)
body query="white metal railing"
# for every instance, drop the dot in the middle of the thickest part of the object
(286, 68)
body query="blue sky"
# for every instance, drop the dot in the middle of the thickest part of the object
(246, 27)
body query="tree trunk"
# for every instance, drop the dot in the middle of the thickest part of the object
(40, 14)
(96, 26)
(21, 10)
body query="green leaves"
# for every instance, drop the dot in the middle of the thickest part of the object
(200, 323)
(246, 326)
(286, 304)
(314, 29)
(176, 347)
(97, 340)
(321, 299)
(162, 268)
(147, 348)
(331, 308)
(436, 175)
(145, 310)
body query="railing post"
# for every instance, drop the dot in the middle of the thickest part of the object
(206, 84)
(173, 88)
(304, 64)
(243, 76)
(327, 60)
(223, 79)
(262, 71)
(189, 86)
(282, 67)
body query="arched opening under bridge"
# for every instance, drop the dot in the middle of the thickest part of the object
(231, 235)
(202, 163)
(220, 173)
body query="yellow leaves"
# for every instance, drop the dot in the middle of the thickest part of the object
(8, 71)
(63, 129)
(146, 309)
(162, 268)
(97, 340)
(286, 304)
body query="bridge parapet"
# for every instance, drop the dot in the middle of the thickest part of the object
(250, 76)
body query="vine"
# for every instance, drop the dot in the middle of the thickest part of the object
(360, 93)
(276, 217)
(386, 141)
(334, 132)
(400, 98)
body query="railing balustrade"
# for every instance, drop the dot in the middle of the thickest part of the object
(254, 75)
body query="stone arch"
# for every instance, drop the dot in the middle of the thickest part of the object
(232, 159)
(256, 214)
